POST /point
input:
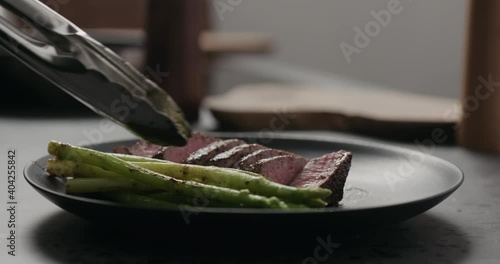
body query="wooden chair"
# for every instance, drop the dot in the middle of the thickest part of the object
(480, 126)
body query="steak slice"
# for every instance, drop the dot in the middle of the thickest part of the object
(170, 153)
(203, 155)
(228, 158)
(254, 157)
(280, 169)
(122, 150)
(140, 148)
(328, 171)
(180, 154)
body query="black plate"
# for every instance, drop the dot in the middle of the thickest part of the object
(385, 185)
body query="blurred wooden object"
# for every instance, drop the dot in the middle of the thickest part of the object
(173, 30)
(384, 113)
(169, 40)
(480, 125)
(209, 42)
(215, 42)
(103, 13)
(176, 41)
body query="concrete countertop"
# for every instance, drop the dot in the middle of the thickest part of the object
(465, 228)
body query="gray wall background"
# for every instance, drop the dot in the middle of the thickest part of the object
(421, 50)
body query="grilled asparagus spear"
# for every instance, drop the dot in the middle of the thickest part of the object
(139, 200)
(237, 198)
(222, 177)
(236, 179)
(97, 185)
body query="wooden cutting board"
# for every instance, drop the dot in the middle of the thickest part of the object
(384, 113)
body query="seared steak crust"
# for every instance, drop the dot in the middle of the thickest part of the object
(328, 171)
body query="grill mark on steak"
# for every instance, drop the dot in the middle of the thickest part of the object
(180, 154)
(259, 155)
(228, 158)
(280, 169)
(328, 171)
(203, 155)
(170, 153)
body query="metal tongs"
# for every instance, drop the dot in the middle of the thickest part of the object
(92, 73)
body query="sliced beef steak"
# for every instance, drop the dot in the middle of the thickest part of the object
(140, 148)
(228, 158)
(328, 171)
(280, 169)
(203, 155)
(254, 157)
(195, 142)
(122, 150)
(175, 154)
